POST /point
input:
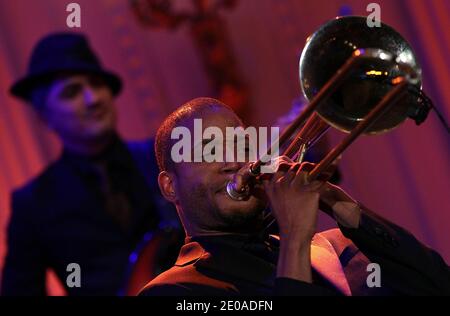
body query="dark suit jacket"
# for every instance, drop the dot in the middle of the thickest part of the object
(59, 218)
(217, 267)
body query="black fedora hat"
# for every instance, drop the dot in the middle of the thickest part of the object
(62, 53)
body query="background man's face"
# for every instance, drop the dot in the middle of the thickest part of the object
(80, 108)
(201, 186)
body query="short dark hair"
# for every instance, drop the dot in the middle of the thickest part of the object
(163, 142)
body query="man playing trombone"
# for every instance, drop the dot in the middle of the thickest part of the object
(228, 251)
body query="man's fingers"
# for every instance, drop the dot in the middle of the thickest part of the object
(240, 176)
(280, 166)
(280, 163)
(291, 173)
(307, 166)
(297, 174)
(301, 177)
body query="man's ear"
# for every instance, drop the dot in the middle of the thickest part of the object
(167, 186)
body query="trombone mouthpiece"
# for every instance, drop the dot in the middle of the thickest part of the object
(237, 195)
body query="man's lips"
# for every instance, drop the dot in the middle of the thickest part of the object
(96, 113)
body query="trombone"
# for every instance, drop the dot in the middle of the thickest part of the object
(358, 79)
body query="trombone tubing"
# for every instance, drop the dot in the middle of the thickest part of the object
(327, 90)
(381, 108)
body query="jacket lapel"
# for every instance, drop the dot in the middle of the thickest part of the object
(229, 261)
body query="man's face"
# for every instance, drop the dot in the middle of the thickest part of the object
(201, 186)
(80, 108)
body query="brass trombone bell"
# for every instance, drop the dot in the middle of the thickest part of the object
(389, 56)
(357, 79)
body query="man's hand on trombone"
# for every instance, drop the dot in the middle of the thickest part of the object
(288, 191)
(295, 203)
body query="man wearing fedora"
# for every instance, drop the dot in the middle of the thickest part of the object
(94, 204)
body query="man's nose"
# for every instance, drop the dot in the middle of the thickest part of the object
(91, 96)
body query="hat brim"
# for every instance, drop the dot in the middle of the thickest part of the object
(23, 88)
